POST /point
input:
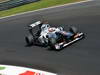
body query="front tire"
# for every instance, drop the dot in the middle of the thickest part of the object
(73, 30)
(52, 43)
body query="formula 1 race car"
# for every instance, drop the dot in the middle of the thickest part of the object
(53, 37)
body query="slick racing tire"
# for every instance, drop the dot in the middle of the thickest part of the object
(29, 40)
(52, 43)
(73, 30)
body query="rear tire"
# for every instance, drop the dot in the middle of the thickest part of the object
(29, 40)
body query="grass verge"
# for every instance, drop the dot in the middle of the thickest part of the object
(2, 68)
(35, 6)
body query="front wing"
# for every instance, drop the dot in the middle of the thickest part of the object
(62, 45)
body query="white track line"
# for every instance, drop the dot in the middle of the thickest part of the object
(47, 8)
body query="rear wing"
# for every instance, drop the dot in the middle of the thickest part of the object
(35, 24)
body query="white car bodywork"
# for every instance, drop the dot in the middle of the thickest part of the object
(45, 30)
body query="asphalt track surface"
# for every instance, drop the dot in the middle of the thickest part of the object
(81, 58)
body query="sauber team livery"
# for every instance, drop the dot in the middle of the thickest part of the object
(53, 37)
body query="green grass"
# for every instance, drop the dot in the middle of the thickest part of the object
(34, 6)
(2, 68)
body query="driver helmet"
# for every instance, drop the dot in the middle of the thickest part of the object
(51, 29)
